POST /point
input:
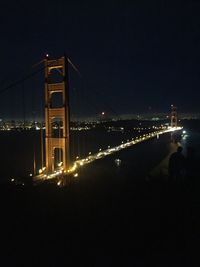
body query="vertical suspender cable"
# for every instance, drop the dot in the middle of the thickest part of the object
(41, 136)
(59, 151)
(41, 145)
(34, 163)
(23, 105)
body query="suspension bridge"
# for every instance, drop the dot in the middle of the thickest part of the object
(56, 160)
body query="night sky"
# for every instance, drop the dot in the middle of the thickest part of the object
(133, 56)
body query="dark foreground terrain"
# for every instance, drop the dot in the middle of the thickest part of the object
(107, 218)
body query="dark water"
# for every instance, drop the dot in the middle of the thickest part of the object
(17, 153)
(192, 137)
(18, 149)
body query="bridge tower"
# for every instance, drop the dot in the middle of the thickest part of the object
(174, 118)
(56, 85)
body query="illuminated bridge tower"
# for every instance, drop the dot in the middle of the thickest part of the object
(56, 88)
(174, 118)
